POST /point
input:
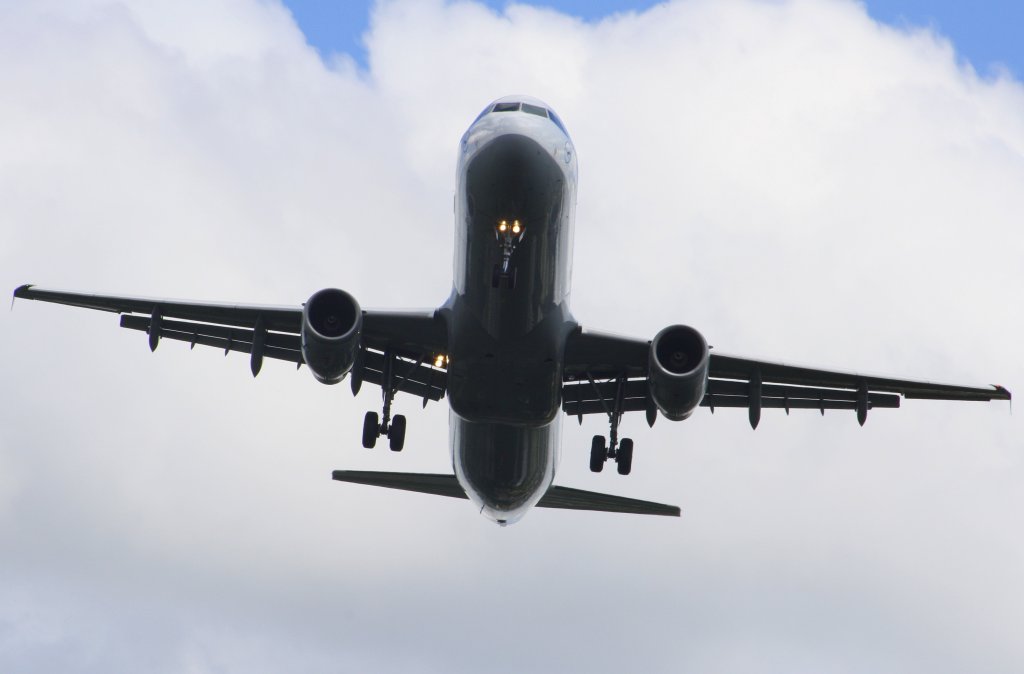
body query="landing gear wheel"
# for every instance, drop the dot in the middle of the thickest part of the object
(624, 457)
(496, 277)
(510, 280)
(396, 434)
(598, 454)
(371, 428)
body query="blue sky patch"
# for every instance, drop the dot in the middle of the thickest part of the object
(985, 32)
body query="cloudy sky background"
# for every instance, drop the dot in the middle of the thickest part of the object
(795, 179)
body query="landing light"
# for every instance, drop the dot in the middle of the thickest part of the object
(502, 226)
(440, 361)
(516, 227)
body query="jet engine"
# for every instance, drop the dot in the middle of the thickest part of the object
(678, 371)
(332, 323)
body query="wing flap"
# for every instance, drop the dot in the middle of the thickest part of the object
(588, 397)
(575, 408)
(719, 389)
(278, 346)
(876, 400)
(410, 376)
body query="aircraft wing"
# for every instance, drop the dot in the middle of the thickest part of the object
(414, 337)
(603, 370)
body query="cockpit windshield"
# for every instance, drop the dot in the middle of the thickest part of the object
(535, 110)
(515, 106)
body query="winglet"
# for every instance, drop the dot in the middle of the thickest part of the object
(1002, 393)
(20, 291)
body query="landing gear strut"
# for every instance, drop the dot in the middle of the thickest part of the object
(509, 235)
(602, 450)
(394, 429)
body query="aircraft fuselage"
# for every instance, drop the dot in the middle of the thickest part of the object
(508, 315)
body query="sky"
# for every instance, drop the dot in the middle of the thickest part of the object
(796, 179)
(984, 33)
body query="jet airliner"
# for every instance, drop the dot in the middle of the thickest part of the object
(504, 349)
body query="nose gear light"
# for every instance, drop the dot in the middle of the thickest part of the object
(508, 237)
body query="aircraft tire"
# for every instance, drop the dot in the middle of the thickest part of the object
(371, 429)
(625, 456)
(396, 436)
(598, 454)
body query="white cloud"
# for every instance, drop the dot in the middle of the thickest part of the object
(792, 178)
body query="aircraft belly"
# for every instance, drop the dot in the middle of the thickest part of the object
(509, 379)
(505, 390)
(505, 470)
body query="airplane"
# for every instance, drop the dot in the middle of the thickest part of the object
(504, 349)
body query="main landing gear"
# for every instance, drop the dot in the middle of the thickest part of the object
(602, 449)
(509, 235)
(394, 429)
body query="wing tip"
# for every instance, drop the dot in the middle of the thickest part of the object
(20, 291)
(1002, 393)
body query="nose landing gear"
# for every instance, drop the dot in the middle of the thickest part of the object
(508, 235)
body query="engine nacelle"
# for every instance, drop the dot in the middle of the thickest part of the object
(678, 371)
(332, 323)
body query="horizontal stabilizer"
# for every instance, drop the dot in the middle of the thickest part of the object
(556, 497)
(577, 499)
(424, 483)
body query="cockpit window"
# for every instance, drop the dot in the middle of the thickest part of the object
(513, 106)
(505, 107)
(557, 121)
(535, 110)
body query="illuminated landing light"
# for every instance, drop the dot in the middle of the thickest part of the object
(441, 361)
(506, 228)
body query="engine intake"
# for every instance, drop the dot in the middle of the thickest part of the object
(332, 324)
(678, 371)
